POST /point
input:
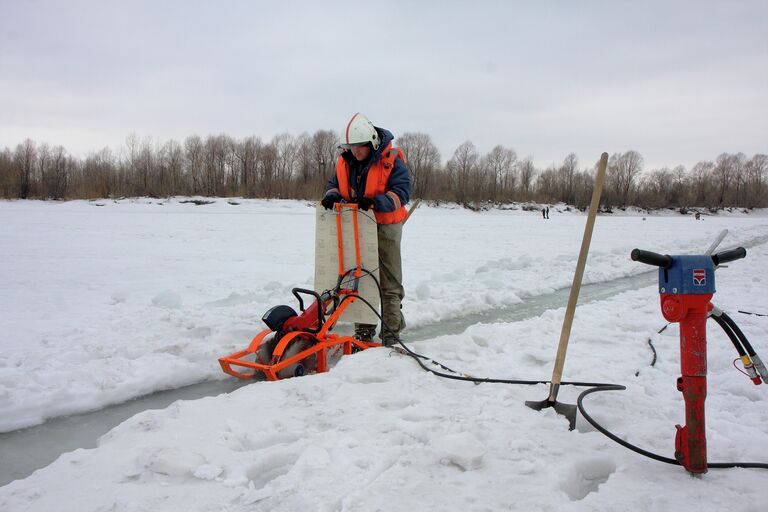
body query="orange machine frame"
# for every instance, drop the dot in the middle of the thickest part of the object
(323, 340)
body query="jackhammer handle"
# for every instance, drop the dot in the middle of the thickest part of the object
(651, 258)
(726, 256)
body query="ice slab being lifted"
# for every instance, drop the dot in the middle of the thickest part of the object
(327, 259)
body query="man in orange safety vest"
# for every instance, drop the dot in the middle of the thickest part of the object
(372, 172)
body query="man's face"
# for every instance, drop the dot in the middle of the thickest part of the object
(360, 152)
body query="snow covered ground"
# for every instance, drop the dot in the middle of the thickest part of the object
(105, 301)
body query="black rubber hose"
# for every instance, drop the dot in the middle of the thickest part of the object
(378, 287)
(650, 344)
(653, 349)
(610, 435)
(646, 453)
(750, 313)
(457, 376)
(594, 387)
(742, 337)
(731, 335)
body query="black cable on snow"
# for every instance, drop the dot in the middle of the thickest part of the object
(594, 387)
(646, 453)
(653, 349)
(750, 313)
(650, 344)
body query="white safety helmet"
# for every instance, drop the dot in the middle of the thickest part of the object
(358, 132)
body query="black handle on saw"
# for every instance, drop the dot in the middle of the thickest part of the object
(320, 307)
(651, 258)
(726, 256)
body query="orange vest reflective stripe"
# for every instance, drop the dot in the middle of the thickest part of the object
(375, 184)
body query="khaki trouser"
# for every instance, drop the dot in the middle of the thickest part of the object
(390, 278)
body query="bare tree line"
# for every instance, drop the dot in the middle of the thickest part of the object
(298, 167)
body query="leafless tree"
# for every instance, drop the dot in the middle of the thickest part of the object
(678, 196)
(99, 176)
(193, 163)
(460, 170)
(500, 163)
(723, 172)
(304, 161)
(567, 173)
(56, 178)
(547, 184)
(24, 161)
(623, 168)
(699, 177)
(757, 172)
(217, 162)
(245, 153)
(43, 162)
(739, 178)
(7, 174)
(132, 159)
(584, 183)
(285, 149)
(527, 172)
(171, 165)
(299, 167)
(656, 188)
(146, 167)
(423, 160)
(325, 151)
(267, 170)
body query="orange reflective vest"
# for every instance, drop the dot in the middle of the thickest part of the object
(375, 183)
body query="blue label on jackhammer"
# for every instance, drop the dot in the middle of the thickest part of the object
(688, 275)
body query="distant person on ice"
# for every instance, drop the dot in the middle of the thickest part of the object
(372, 173)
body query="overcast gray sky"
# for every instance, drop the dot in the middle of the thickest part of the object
(677, 81)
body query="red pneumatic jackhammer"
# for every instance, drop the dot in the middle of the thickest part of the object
(686, 286)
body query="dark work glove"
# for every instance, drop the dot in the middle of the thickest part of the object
(330, 199)
(364, 203)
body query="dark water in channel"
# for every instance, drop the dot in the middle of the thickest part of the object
(26, 450)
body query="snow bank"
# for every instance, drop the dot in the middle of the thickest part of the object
(378, 433)
(87, 322)
(106, 303)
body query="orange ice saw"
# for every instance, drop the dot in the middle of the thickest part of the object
(295, 344)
